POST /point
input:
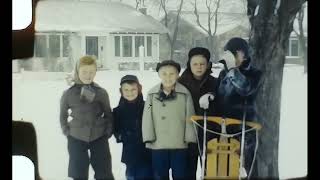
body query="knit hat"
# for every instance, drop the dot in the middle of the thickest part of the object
(198, 51)
(170, 63)
(127, 78)
(235, 44)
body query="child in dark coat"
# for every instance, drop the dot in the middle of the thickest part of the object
(128, 122)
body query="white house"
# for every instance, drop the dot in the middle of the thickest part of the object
(118, 35)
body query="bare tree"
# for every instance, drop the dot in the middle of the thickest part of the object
(172, 38)
(271, 24)
(212, 18)
(302, 38)
(137, 3)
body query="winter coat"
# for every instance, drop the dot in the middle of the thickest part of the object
(236, 86)
(197, 88)
(89, 120)
(166, 124)
(128, 130)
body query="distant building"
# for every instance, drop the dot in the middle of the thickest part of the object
(118, 35)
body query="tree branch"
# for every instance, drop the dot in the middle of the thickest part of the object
(216, 18)
(197, 16)
(209, 19)
(177, 23)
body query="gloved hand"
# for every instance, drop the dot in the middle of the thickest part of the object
(204, 100)
(66, 130)
(229, 58)
(109, 131)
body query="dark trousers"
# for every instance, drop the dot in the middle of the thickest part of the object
(79, 160)
(164, 159)
(139, 172)
(192, 161)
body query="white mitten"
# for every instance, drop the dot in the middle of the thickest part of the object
(229, 58)
(204, 100)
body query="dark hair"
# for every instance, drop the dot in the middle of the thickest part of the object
(235, 44)
(168, 63)
(198, 51)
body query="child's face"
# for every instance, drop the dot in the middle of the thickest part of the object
(198, 66)
(130, 91)
(239, 58)
(87, 73)
(168, 76)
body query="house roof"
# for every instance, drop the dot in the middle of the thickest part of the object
(75, 16)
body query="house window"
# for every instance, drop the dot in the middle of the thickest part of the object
(149, 46)
(293, 48)
(197, 43)
(139, 41)
(54, 45)
(92, 46)
(127, 46)
(40, 46)
(66, 45)
(117, 46)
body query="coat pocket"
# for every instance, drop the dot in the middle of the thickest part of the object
(76, 123)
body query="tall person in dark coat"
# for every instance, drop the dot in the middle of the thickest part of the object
(237, 88)
(128, 124)
(197, 79)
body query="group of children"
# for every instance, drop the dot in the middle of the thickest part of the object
(157, 134)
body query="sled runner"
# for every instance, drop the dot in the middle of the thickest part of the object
(222, 155)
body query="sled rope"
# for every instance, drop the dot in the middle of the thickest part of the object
(254, 155)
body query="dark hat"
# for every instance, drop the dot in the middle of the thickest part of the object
(170, 63)
(199, 51)
(235, 44)
(129, 78)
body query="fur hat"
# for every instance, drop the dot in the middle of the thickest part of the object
(198, 51)
(170, 63)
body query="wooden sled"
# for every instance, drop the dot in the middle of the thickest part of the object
(223, 161)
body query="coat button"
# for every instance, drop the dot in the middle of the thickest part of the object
(163, 117)
(163, 105)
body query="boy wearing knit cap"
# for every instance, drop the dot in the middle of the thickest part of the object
(91, 123)
(128, 123)
(166, 125)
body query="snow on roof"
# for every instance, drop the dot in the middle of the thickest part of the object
(226, 21)
(76, 16)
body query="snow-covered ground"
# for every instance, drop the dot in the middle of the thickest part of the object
(36, 98)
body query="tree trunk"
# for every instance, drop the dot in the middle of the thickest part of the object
(269, 37)
(302, 39)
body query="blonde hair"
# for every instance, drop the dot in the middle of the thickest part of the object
(87, 60)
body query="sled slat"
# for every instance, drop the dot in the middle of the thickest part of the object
(212, 159)
(223, 159)
(234, 159)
